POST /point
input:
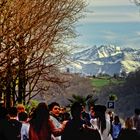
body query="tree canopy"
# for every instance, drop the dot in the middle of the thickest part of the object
(32, 37)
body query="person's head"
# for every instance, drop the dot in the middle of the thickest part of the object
(91, 108)
(20, 108)
(83, 108)
(92, 112)
(116, 119)
(100, 114)
(137, 111)
(62, 110)
(40, 116)
(76, 110)
(41, 110)
(99, 110)
(110, 113)
(12, 111)
(129, 123)
(22, 116)
(54, 108)
(3, 112)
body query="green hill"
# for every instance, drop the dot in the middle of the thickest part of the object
(126, 91)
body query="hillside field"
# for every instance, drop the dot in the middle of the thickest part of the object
(100, 82)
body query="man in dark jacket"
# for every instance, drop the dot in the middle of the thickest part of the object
(76, 128)
(11, 128)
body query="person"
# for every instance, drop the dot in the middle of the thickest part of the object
(85, 115)
(136, 119)
(102, 122)
(20, 108)
(93, 120)
(129, 132)
(116, 127)
(13, 127)
(64, 114)
(3, 122)
(111, 117)
(73, 127)
(23, 118)
(41, 127)
(31, 113)
(76, 128)
(54, 109)
(91, 112)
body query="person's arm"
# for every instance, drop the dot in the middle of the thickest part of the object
(57, 131)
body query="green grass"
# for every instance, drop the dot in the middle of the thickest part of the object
(101, 82)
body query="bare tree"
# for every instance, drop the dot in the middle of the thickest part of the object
(32, 34)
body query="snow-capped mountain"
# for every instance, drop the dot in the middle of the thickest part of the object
(105, 59)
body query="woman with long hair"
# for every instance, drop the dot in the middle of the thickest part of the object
(102, 122)
(128, 132)
(41, 127)
(116, 127)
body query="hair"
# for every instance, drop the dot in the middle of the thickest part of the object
(51, 105)
(100, 113)
(3, 112)
(76, 110)
(129, 123)
(12, 111)
(20, 106)
(137, 111)
(22, 116)
(116, 119)
(40, 117)
(110, 112)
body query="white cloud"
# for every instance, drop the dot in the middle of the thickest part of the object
(110, 21)
(138, 33)
(111, 11)
(109, 2)
(110, 17)
(111, 14)
(109, 35)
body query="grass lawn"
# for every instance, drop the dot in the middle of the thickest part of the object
(99, 83)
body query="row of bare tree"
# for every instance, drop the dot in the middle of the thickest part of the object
(32, 34)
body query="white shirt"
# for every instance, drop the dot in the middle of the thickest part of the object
(25, 131)
(57, 124)
(106, 133)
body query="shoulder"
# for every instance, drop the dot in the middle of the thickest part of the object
(53, 119)
(15, 122)
(25, 125)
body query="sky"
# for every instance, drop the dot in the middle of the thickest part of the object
(110, 22)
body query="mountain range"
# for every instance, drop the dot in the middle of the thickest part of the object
(105, 59)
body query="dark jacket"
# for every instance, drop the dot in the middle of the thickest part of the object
(10, 130)
(74, 130)
(128, 134)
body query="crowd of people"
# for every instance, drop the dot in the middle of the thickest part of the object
(53, 122)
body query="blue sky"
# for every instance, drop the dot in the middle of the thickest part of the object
(115, 22)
